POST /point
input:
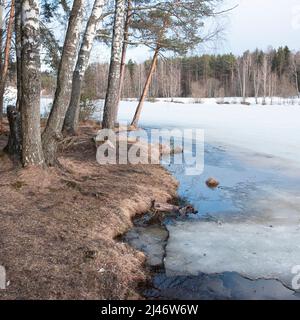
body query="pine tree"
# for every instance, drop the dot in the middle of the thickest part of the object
(171, 26)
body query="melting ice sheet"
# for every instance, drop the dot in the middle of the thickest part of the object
(250, 225)
(255, 251)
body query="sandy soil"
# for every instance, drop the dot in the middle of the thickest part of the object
(59, 227)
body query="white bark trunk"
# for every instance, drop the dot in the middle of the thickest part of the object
(52, 133)
(32, 153)
(111, 101)
(72, 116)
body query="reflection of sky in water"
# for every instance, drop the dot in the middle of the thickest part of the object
(248, 192)
(240, 184)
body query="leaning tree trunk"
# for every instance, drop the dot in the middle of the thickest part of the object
(52, 134)
(124, 52)
(138, 111)
(4, 67)
(32, 152)
(111, 100)
(72, 115)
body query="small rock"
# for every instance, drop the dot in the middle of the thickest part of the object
(212, 183)
(187, 210)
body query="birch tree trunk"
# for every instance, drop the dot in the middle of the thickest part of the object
(244, 81)
(294, 63)
(256, 82)
(297, 83)
(52, 133)
(4, 66)
(72, 116)
(32, 152)
(124, 51)
(111, 100)
(265, 76)
(138, 111)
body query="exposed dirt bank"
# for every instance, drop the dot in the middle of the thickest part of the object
(58, 227)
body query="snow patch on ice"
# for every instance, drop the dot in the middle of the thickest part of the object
(252, 250)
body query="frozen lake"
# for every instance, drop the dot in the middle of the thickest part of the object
(249, 225)
(245, 240)
(270, 130)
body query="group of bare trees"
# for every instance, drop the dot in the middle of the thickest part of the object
(272, 73)
(160, 25)
(254, 74)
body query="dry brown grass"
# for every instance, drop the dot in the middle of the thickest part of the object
(58, 227)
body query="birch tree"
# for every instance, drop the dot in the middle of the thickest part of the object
(111, 100)
(246, 62)
(52, 133)
(265, 71)
(257, 72)
(72, 116)
(295, 70)
(32, 153)
(124, 49)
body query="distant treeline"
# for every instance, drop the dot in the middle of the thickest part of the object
(254, 74)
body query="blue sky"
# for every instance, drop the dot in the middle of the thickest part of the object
(253, 24)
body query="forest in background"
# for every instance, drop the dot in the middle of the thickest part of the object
(254, 74)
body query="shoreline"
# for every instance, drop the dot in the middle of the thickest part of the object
(51, 250)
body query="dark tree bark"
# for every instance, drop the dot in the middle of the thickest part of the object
(14, 145)
(52, 134)
(111, 100)
(4, 67)
(18, 48)
(72, 115)
(138, 111)
(32, 153)
(1, 31)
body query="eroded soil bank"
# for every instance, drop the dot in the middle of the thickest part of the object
(59, 227)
